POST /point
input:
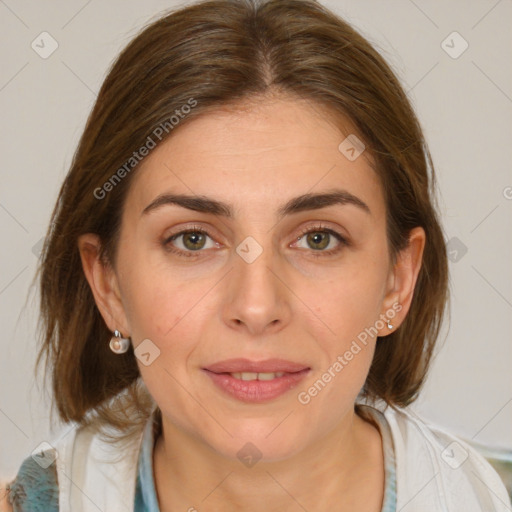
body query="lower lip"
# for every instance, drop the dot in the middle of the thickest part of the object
(255, 391)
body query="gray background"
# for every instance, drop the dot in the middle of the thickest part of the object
(464, 104)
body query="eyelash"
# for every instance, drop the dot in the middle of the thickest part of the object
(312, 229)
(323, 229)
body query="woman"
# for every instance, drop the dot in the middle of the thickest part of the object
(244, 281)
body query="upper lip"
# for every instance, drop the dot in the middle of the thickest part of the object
(246, 365)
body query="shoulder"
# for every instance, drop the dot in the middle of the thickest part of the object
(74, 466)
(437, 468)
(35, 486)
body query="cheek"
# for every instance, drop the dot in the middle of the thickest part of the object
(150, 311)
(351, 301)
(155, 300)
(349, 305)
(347, 346)
(162, 311)
(168, 312)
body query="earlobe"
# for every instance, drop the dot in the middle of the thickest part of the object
(403, 278)
(103, 283)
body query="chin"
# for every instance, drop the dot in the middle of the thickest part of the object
(259, 441)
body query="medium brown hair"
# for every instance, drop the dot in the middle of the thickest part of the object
(219, 53)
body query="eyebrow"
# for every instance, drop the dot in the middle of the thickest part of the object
(298, 204)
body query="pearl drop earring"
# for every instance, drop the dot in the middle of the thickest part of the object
(118, 344)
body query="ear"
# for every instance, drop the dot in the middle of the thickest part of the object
(402, 281)
(103, 282)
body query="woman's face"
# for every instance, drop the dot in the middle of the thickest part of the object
(243, 286)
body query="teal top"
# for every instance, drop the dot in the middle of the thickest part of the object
(35, 489)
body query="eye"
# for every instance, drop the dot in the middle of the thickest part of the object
(318, 238)
(189, 241)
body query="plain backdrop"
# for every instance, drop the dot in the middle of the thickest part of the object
(463, 97)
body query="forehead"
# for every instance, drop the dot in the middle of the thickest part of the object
(257, 155)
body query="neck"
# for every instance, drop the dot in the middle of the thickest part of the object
(341, 470)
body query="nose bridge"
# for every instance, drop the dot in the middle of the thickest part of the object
(256, 297)
(253, 264)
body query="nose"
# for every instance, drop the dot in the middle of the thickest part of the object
(256, 298)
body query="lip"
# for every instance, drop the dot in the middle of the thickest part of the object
(256, 391)
(246, 365)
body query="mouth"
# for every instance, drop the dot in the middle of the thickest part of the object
(249, 376)
(253, 381)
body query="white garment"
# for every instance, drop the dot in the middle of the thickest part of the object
(435, 471)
